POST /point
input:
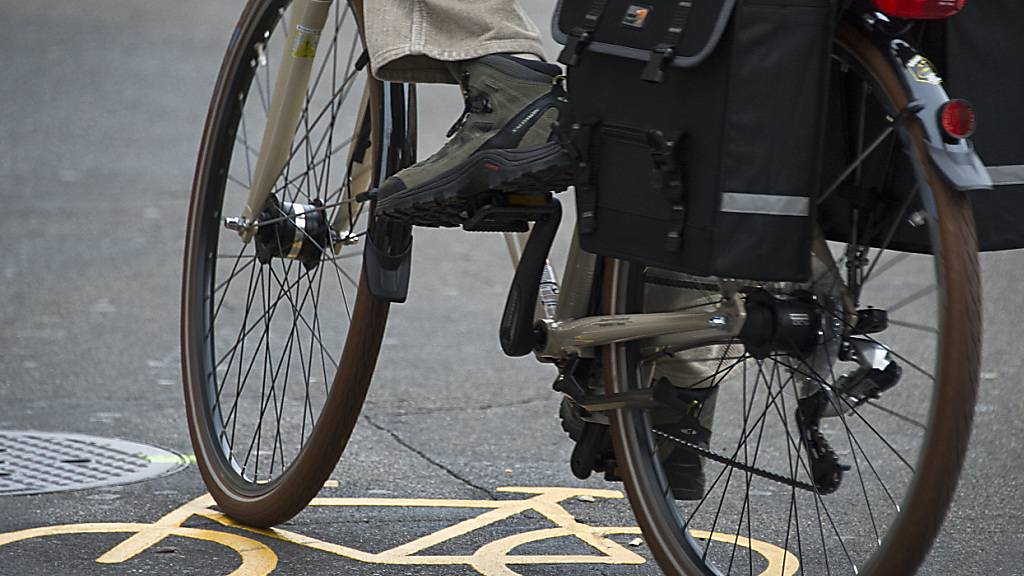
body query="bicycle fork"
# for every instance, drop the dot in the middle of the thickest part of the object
(286, 104)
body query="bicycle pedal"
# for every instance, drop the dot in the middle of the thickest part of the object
(510, 213)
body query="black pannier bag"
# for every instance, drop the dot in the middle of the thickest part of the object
(984, 63)
(698, 124)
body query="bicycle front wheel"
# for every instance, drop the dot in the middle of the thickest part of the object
(280, 334)
(842, 459)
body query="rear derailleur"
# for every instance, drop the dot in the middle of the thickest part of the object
(875, 374)
(825, 469)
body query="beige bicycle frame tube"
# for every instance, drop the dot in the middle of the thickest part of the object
(286, 103)
(573, 333)
(578, 281)
(658, 330)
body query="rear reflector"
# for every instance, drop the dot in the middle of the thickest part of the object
(920, 9)
(957, 118)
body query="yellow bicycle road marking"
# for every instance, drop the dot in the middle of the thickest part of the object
(492, 559)
(780, 561)
(257, 558)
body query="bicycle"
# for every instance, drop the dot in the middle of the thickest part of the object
(880, 349)
(494, 558)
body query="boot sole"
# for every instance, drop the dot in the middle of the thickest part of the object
(452, 198)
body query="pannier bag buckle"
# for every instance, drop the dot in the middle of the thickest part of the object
(660, 57)
(581, 35)
(581, 144)
(577, 41)
(664, 53)
(667, 178)
(666, 165)
(674, 240)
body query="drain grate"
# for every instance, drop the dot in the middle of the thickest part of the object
(41, 462)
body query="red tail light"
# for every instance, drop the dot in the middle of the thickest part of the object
(920, 9)
(957, 118)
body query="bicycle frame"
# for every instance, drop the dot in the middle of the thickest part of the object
(572, 331)
(567, 329)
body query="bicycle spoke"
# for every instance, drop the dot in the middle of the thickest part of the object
(890, 234)
(896, 414)
(927, 290)
(914, 326)
(792, 511)
(234, 272)
(853, 451)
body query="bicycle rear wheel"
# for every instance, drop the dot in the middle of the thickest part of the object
(279, 344)
(764, 510)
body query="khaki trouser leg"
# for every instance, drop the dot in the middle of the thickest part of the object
(695, 369)
(409, 40)
(691, 368)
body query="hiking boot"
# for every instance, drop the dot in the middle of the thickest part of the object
(504, 143)
(684, 468)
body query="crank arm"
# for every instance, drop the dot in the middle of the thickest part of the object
(661, 394)
(619, 401)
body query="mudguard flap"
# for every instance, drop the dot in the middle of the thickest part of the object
(387, 276)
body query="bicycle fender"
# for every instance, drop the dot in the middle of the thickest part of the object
(387, 275)
(956, 160)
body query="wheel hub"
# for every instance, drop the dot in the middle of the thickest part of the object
(790, 324)
(293, 231)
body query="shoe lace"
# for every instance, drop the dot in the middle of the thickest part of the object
(474, 104)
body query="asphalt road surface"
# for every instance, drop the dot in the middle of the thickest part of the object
(101, 108)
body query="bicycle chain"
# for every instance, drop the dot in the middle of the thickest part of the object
(710, 455)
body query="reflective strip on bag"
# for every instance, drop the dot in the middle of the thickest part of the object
(765, 204)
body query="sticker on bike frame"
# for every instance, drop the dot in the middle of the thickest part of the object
(305, 43)
(493, 558)
(922, 70)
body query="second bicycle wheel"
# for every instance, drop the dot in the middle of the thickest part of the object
(280, 334)
(839, 455)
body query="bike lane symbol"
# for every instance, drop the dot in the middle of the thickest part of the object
(494, 558)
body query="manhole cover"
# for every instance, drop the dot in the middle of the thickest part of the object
(40, 462)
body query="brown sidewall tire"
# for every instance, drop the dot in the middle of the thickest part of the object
(281, 499)
(911, 536)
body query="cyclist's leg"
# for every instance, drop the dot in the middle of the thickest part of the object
(410, 40)
(504, 140)
(693, 370)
